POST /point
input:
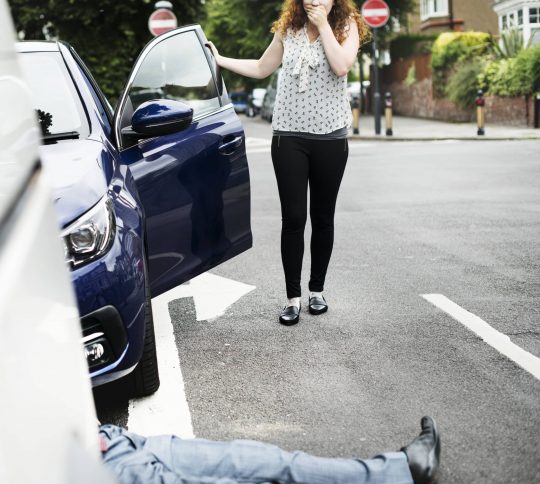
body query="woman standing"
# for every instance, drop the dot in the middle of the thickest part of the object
(317, 41)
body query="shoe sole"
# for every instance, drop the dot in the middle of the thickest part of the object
(317, 311)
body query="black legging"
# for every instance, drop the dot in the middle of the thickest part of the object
(298, 161)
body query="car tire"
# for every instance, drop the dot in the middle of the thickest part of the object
(145, 376)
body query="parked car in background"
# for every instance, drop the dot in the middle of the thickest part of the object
(267, 108)
(240, 101)
(256, 99)
(148, 196)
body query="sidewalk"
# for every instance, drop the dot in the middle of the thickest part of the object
(427, 129)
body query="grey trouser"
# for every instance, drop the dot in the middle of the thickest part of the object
(167, 459)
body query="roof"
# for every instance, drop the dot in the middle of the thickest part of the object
(37, 46)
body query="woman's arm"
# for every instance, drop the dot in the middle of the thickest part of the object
(340, 57)
(258, 69)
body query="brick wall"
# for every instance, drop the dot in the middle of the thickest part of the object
(417, 99)
(512, 111)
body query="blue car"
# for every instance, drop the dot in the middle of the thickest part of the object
(148, 196)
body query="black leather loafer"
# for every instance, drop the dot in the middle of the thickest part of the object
(424, 452)
(317, 305)
(289, 316)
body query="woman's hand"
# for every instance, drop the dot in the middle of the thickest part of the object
(215, 52)
(317, 16)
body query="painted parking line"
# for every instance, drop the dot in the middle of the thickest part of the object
(167, 411)
(491, 336)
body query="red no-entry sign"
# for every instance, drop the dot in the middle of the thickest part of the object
(161, 21)
(376, 13)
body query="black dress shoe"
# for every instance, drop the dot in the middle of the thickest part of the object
(423, 453)
(317, 305)
(290, 315)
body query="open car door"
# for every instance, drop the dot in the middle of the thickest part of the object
(185, 147)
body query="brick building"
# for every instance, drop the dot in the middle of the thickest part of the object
(432, 16)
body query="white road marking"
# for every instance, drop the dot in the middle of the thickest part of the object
(491, 336)
(167, 411)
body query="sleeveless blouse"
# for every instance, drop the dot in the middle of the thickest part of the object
(310, 97)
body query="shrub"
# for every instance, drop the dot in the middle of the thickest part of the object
(463, 85)
(451, 48)
(407, 45)
(518, 76)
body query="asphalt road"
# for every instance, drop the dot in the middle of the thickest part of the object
(461, 219)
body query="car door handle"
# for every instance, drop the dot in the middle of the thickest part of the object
(230, 146)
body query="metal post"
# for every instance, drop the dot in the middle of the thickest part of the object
(388, 114)
(480, 112)
(376, 93)
(362, 92)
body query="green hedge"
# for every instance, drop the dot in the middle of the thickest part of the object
(407, 45)
(518, 76)
(451, 49)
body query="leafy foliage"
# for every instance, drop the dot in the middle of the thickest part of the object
(407, 45)
(241, 29)
(463, 85)
(510, 45)
(518, 76)
(452, 48)
(107, 34)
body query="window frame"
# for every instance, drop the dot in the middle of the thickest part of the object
(136, 67)
(427, 9)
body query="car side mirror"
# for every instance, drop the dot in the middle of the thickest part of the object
(159, 117)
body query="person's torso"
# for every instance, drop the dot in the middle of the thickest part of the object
(310, 97)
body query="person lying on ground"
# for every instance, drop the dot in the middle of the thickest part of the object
(134, 459)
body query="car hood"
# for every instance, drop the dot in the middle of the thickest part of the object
(74, 170)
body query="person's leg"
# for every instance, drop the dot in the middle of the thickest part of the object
(289, 156)
(255, 462)
(328, 159)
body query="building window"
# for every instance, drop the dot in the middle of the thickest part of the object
(433, 8)
(504, 24)
(511, 20)
(534, 15)
(520, 17)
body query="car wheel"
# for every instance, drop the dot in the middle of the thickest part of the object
(145, 377)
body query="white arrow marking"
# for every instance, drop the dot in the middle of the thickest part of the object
(167, 411)
(491, 336)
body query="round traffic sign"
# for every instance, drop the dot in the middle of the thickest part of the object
(161, 21)
(376, 13)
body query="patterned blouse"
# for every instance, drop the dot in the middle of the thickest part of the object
(310, 97)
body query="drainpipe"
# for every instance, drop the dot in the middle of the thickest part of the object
(451, 14)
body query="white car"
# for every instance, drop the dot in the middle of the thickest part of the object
(49, 432)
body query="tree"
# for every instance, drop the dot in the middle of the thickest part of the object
(107, 34)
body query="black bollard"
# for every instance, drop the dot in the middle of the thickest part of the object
(388, 116)
(481, 112)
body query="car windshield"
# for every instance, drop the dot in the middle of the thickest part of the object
(57, 104)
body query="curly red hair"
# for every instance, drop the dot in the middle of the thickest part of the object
(294, 16)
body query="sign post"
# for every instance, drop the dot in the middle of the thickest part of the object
(162, 19)
(376, 14)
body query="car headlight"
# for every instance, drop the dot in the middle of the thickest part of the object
(91, 235)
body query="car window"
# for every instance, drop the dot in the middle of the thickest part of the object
(176, 69)
(54, 96)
